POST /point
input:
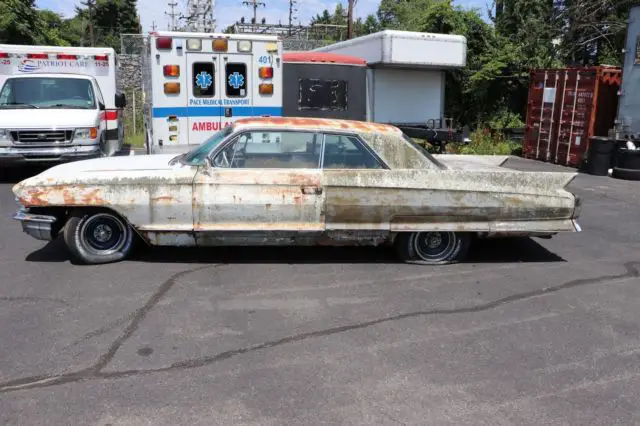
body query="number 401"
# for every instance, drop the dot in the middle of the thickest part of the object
(265, 60)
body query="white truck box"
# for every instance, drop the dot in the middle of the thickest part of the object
(405, 48)
(406, 73)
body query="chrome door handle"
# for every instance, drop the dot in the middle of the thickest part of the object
(311, 190)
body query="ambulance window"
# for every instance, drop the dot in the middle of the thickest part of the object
(323, 95)
(204, 80)
(236, 80)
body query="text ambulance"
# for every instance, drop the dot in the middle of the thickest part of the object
(198, 83)
(58, 104)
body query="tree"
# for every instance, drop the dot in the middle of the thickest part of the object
(20, 23)
(129, 21)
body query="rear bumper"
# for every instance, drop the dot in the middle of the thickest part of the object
(16, 156)
(40, 227)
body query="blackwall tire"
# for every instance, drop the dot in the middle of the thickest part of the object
(626, 174)
(432, 248)
(98, 237)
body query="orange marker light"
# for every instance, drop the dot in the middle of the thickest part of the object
(220, 45)
(265, 72)
(171, 70)
(265, 89)
(172, 88)
(93, 132)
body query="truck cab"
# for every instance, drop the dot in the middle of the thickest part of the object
(52, 117)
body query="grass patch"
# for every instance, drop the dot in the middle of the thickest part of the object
(135, 140)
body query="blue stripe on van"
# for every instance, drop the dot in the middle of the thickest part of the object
(238, 111)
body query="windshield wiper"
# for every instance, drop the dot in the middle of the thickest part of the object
(20, 103)
(65, 106)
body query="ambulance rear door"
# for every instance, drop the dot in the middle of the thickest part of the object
(204, 96)
(236, 87)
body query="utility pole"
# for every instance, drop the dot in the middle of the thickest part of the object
(254, 4)
(291, 10)
(350, 19)
(172, 15)
(89, 4)
(154, 26)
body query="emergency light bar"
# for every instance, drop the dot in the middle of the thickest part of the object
(101, 57)
(38, 56)
(220, 45)
(4, 55)
(67, 57)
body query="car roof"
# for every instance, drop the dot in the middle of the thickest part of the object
(318, 124)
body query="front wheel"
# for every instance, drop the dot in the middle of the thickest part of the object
(432, 248)
(98, 237)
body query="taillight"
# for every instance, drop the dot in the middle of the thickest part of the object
(101, 57)
(265, 89)
(4, 55)
(220, 45)
(67, 57)
(171, 70)
(265, 72)
(38, 56)
(164, 43)
(172, 88)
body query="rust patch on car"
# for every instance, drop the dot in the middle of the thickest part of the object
(166, 199)
(91, 198)
(316, 123)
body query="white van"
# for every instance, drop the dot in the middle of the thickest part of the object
(58, 104)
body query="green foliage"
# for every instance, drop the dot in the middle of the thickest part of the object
(22, 23)
(505, 119)
(485, 142)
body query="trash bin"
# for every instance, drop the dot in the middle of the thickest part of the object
(600, 157)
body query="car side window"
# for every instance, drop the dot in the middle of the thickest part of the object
(347, 152)
(272, 150)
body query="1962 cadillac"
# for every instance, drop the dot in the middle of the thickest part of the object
(294, 181)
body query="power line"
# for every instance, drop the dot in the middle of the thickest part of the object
(200, 16)
(254, 4)
(172, 15)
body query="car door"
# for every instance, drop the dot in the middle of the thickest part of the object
(261, 181)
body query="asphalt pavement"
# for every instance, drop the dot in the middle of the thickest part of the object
(528, 331)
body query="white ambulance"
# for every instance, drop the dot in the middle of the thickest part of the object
(198, 83)
(58, 104)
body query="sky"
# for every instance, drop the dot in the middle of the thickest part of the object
(230, 11)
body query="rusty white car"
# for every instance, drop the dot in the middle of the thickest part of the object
(294, 181)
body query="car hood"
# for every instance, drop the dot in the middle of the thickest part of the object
(113, 164)
(48, 118)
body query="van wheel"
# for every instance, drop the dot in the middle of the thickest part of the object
(98, 237)
(432, 248)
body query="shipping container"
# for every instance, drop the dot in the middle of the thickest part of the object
(565, 108)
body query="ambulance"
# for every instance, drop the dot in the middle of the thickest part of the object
(198, 83)
(58, 104)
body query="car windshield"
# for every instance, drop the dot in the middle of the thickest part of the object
(44, 92)
(197, 155)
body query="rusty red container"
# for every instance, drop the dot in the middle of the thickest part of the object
(565, 108)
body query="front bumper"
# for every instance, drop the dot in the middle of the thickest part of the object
(40, 227)
(10, 156)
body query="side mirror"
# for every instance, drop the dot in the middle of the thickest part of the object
(121, 100)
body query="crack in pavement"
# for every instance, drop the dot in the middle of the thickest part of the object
(34, 300)
(95, 372)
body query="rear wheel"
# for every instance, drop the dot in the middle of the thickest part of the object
(98, 237)
(432, 248)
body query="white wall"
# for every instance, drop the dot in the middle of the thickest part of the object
(407, 96)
